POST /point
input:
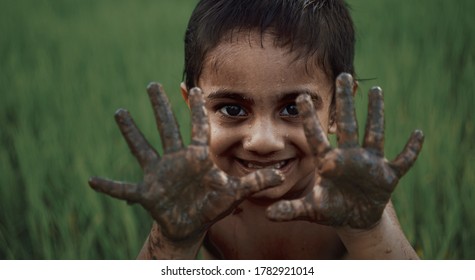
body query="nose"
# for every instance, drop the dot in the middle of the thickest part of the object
(264, 137)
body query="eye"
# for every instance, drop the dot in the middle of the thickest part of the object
(232, 111)
(290, 110)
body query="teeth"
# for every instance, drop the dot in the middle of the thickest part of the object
(254, 166)
(276, 166)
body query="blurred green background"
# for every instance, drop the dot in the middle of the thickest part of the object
(66, 66)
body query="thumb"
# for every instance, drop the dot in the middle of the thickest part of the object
(307, 208)
(257, 181)
(287, 210)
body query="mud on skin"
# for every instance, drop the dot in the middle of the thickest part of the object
(354, 185)
(355, 182)
(183, 190)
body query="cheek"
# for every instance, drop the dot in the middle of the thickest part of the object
(222, 139)
(305, 154)
(296, 138)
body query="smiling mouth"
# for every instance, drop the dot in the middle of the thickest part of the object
(254, 165)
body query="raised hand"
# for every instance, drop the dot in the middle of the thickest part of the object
(354, 182)
(183, 190)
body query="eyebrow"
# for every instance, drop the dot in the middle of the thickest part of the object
(221, 94)
(281, 96)
(292, 95)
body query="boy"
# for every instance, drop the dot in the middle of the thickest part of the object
(260, 180)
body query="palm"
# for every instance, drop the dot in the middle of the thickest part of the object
(354, 183)
(183, 190)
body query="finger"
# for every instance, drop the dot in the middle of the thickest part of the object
(121, 190)
(299, 209)
(199, 118)
(255, 182)
(347, 127)
(287, 210)
(374, 131)
(137, 143)
(408, 156)
(166, 122)
(316, 137)
(308, 208)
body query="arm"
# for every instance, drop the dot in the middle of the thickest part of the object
(385, 240)
(158, 247)
(354, 183)
(182, 189)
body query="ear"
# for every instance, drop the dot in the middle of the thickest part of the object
(184, 93)
(332, 123)
(355, 87)
(332, 119)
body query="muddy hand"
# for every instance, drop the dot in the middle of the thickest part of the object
(355, 183)
(183, 190)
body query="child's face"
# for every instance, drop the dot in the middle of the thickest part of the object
(250, 94)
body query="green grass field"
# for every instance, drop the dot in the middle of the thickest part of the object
(66, 66)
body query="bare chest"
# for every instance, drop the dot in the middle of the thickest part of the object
(248, 234)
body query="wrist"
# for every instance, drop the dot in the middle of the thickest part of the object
(384, 240)
(352, 232)
(368, 243)
(158, 246)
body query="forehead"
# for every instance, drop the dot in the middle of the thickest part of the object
(253, 61)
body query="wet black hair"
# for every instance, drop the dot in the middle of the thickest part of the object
(320, 31)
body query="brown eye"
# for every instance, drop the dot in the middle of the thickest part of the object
(290, 110)
(232, 111)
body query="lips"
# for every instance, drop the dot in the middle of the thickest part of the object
(255, 165)
(287, 167)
